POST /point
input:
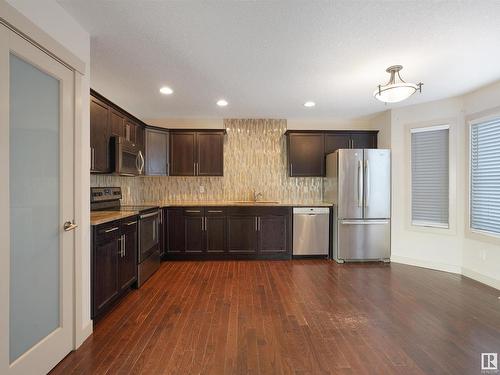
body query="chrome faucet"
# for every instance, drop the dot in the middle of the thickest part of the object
(256, 196)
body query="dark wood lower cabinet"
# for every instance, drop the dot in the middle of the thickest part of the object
(114, 262)
(229, 233)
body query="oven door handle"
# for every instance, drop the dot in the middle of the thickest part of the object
(149, 215)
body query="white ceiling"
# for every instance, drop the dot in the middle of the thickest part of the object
(268, 57)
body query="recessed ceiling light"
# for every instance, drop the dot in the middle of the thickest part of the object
(222, 102)
(165, 90)
(309, 104)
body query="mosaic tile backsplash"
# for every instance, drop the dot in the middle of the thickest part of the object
(254, 159)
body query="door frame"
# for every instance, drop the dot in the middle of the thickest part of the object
(14, 20)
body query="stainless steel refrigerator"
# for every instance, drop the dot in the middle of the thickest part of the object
(358, 183)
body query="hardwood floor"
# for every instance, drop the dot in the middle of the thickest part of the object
(294, 317)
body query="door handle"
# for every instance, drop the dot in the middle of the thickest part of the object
(367, 189)
(256, 225)
(215, 211)
(110, 230)
(131, 223)
(193, 211)
(360, 183)
(69, 226)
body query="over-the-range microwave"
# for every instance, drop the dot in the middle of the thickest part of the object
(126, 157)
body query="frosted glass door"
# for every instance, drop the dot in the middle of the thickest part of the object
(38, 190)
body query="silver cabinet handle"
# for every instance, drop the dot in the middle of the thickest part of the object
(202, 224)
(215, 211)
(141, 166)
(111, 230)
(69, 226)
(256, 225)
(193, 211)
(291, 169)
(120, 240)
(360, 183)
(149, 215)
(205, 223)
(92, 158)
(194, 168)
(154, 230)
(132, 223)
(123, 245)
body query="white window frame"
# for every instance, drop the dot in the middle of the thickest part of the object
(450, 124)
(473, 233)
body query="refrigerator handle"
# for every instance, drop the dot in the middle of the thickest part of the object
(367, 189)
(360, 183)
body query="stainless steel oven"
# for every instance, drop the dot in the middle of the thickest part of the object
(126, 157)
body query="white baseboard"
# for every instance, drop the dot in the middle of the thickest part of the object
(426, 264)
(490, 281)
(83, 334)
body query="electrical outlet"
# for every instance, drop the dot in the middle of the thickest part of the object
(202, 189)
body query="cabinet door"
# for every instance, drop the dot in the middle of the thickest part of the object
(105, 268)
(194, 230)
(139, 137)
(273, 233)
(215, 230)
(306, 154)
(162, 231)
(127, 258)
(130, 129)
(242, 234)
(99, 136)
(210, 153)
(175, 230)
(117, 123)
(182, 154)
(156, 152)
(333, 142)
(364, 140)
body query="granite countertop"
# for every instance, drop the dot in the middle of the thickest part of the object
(235, 203)
(101, 217)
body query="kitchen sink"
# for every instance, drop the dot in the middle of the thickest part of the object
(254, 202)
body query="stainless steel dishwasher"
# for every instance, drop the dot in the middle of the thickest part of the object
(311, 226)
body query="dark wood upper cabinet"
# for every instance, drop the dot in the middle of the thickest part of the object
(333, 142)
(364, 140)
(196, 153)
(182, 153)
(117, 123)
(107, 120)
(306, 154)
(99, 136)
(210, 153)
(156, 152)
(307, 149)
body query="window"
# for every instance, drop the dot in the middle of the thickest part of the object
(430, 176)
(485, 176)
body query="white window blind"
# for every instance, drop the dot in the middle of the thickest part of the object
(430, 176)
(485, 176)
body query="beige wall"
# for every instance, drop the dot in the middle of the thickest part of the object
(454, 249)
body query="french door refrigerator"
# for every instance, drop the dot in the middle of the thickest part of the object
(358, 183)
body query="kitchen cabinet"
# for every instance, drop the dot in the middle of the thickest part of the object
(306, 154)
(108, 120)
(127, 254)
(196, 153)
(99, 136)
(162, 231)
(117, 123)
(333, 142)
(307, 150)
(237, 232)
(210, 153)
(156, 152)
(114, 262)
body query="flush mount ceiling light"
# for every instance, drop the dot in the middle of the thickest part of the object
(222, 103)
(309, 104)
(396, 89)
(165, 90)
